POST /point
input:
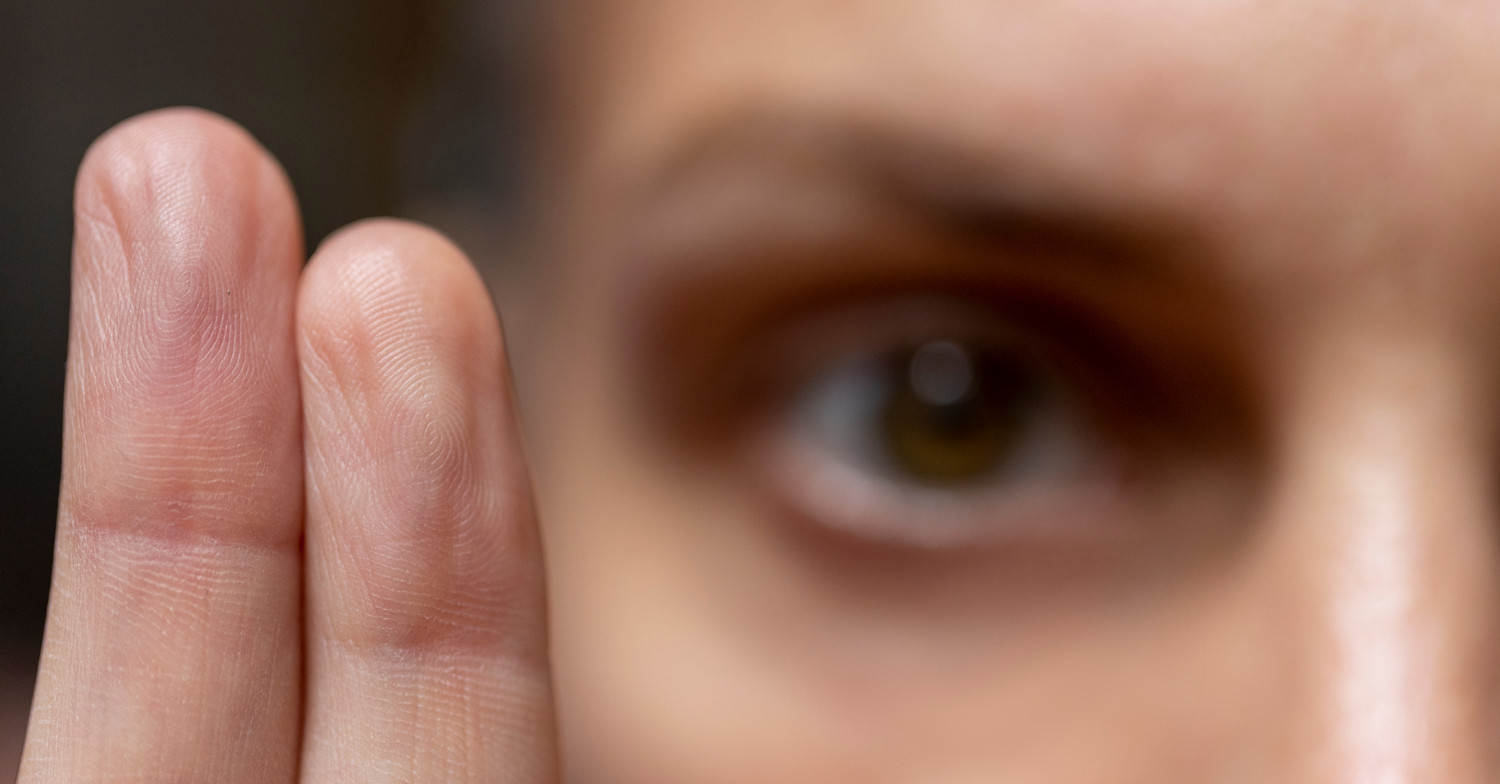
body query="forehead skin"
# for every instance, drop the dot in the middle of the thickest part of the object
(1313, 140)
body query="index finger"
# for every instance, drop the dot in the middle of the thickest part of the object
(173, 643)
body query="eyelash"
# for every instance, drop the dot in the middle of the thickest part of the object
(1156, 394)
(945, 415)
(842, 481)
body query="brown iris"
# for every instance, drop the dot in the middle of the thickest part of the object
(955, 413)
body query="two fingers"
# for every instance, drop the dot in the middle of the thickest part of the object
(294, 532)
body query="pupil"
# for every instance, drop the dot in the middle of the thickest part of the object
(953, 415)
(941, 373)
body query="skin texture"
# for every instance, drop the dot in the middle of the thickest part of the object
(1254, 241)
(211, 621)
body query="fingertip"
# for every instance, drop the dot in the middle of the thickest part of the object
(403, 374)
(382, 279)
(426, 594)
(180, 173)
(117, 155)
(413, 248)
(186, 259)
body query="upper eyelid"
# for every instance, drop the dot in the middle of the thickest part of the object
(1111, 381)
(722, 244)
(1136, 397)
(769, 213)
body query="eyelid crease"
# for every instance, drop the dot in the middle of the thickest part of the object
(763, 214)
(768, 221)
(742, 335)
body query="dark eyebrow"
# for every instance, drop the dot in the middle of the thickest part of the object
(762, 219)
(981, 198)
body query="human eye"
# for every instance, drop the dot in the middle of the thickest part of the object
(904, 361)
(946, 414)
(936, 423)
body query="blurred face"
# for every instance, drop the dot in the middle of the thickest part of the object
(1080, 391)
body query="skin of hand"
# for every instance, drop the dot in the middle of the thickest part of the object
(295, 531)
(1254, 241)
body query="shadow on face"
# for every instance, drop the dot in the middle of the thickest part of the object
(1074, 392)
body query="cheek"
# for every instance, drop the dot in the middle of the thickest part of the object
(653, 681)
(661, 678)
(698, 638)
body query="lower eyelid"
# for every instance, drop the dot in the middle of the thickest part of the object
(811, 483)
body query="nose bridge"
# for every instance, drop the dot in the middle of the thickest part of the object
(1384, 505)
(1385, 610)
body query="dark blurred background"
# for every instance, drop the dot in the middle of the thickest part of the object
(374, 107)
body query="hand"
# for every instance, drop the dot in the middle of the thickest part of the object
(295, 536)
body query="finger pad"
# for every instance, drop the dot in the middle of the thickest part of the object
(422, 491)
(186, 261)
